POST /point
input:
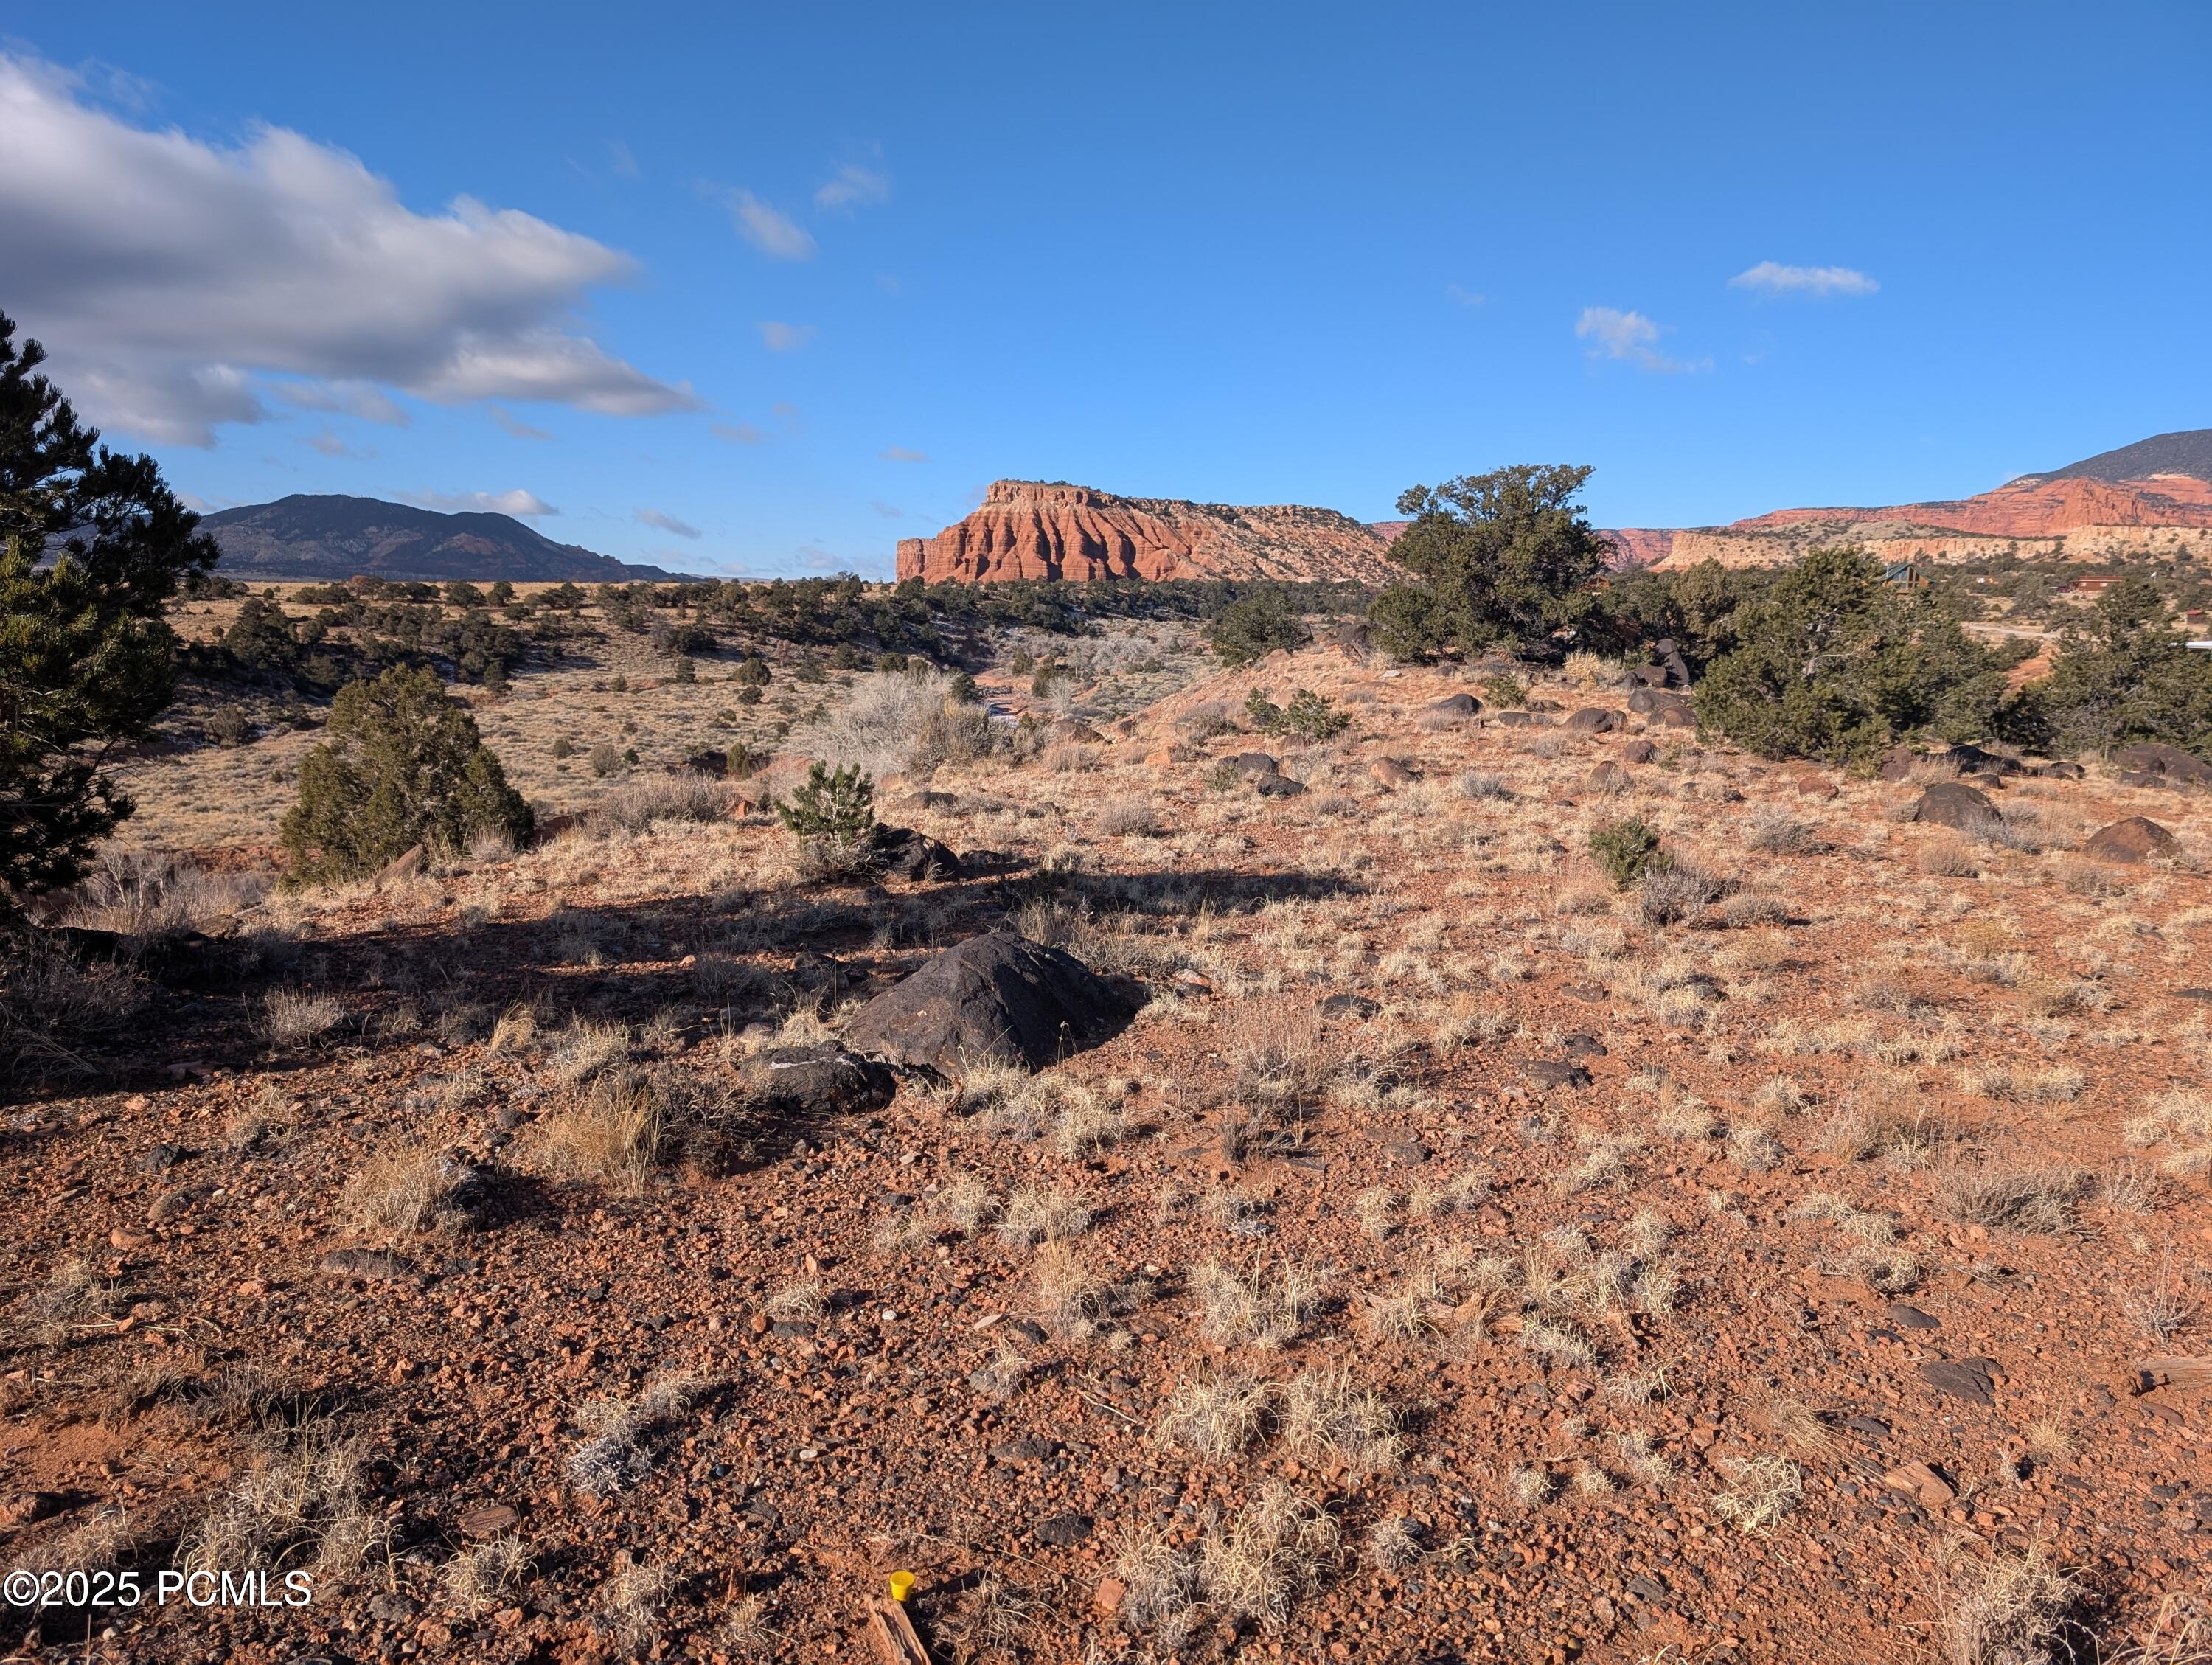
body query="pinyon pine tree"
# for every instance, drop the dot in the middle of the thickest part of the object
(92, 546)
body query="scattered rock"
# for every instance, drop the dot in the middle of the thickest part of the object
(903, 852)
(821, 1079)
(1816, 786)
(1256, 762)
(161, 1159)
(2169, 763)
(1389, 772)
(1517, 719)
(1019, 1452)
(1106, 1601)
(1896, 763)
(1673, 716)
(2129, 842)
(1062, 1531)
(1579, 1045)
(486, 1520)
(1922, 1482)
(998, 996)
(1948, 804)
(1639, 752)
(916, 802)
(1911, 1318)
(408, 863)
(1348, 1005)
(1407, 1151)
(1277, 786)
(1594, 719)
(1969, 1379)
(1608, 777)
(1553, 1073)
(372, 1265)
(24, 1508)
(1456, 705)
(1872, 1427)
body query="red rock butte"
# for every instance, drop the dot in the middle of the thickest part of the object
(1040, 529)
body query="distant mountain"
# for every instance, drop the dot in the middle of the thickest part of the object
(330, 538)
(2155, 495)
(2189, 451)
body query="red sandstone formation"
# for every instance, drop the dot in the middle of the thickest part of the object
(1032, 529)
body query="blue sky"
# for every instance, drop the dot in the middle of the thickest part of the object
(737, 289)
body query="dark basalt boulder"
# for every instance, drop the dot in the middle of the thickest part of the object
(1594, 720)
(903, 852)
(2133, 840)
(998, 997)
(1948, 804)
(2155, 757)
(823, 1079)
(1277, 786)
(1456, 705)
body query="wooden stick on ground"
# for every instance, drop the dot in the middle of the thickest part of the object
(892, 1633)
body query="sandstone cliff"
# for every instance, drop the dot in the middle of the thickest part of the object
(2135, 499)
(1034, 529)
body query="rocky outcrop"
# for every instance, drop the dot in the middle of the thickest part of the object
(1033, 529)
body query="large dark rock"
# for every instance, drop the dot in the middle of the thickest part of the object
(1947, 804)
(1594, 720)
(2155, 757)
(903, 852)
(1673, 716)
(1972, 760)
(2130, 841)
(1256, 763)
(997, 998)
(823, 1079)
(1896, 763)
(1277, 786)
(1456, 705)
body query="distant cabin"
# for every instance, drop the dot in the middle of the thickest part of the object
(2086, 589)
(1904, 575)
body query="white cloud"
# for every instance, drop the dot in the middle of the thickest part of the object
(784, 337)
(164, 274)
(667, 523)
(516, 426)
(855, 187)
(899, 453)
(329, 445)
(351, 399)
(623, 161)
(1771, 277)
(1632, 337)
(736, 432)
(528, 504)
(1465, 297)
(768, 230)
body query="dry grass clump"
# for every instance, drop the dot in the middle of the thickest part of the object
(1761, 1490)
(1216, 1417)
(2181, 1120)
(991, 1620)
(1258, 1305)
(397, 1192)
(1989, 1194)
(629, 1610)
(482, 1579)
(1256, 1565)
(1877, 1124)
(1127, 817)
(1394, 1543)
(1675, 892)
(1032, 1217)
(901, 722)
(1376, 1210)
(1070, 1297)
(612, 1456)
(292, 1017)
(682, 796)
(147, 894)
(1776, 831)
(300, 1500)
(2008, 1610)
